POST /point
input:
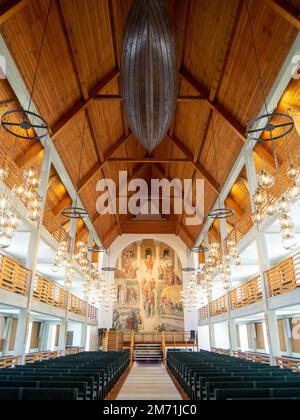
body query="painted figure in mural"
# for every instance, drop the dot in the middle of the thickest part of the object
(132, 297)
(149, 263)
(122, 292)
(167, 274)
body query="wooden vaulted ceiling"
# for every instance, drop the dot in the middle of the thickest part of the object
(78, 78)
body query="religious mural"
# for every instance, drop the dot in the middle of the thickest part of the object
(148, 281)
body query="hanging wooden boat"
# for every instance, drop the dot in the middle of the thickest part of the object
(149, 71)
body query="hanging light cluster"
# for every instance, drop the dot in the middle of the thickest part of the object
(62, 256)
(27, 192)
(8, 221)
(193, 296)
(219, 264)
(94, 285)
(264, 207)
(110, 298)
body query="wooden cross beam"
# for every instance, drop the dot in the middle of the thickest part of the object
(286, 11)
(10, 8)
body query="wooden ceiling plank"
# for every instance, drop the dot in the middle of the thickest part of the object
(286, 11)
(100, 165)
(198, 167)
(148, 227)
(81, 105)
(236, 126)
(31, 153)
(118, 98)
(234, 206)
(10, 8)
(66, 202)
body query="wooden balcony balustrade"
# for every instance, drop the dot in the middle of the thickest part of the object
(284, 277)
(289, 363)
(218, 306)
(246, 294)
(92, 312)
(204, 313)
(13, 276)
(77, 305)
(48, 292)
(73, 350)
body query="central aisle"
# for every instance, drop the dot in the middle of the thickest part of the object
(149, 382)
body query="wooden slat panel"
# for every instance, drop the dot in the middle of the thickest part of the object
(246, 294)
(284, 277)
(48, 292)
(13, 276)
(218, 306)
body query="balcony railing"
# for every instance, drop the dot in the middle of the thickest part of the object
(284, 277)
(77, 305)
(48, 292)
(246, 294)
(241, 229)
(13, 276)
(204, 312)
(92, 312)
(218, 306)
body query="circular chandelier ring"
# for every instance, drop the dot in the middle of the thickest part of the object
(188, 269)
(289, 125)
(198, 250)
(25, 124)
(109, 269)
(221, 213)
(74, 213)
(96, 249)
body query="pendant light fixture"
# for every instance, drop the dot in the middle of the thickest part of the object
(76, 212)
(220, 212)
(273, 131)
(25, 124)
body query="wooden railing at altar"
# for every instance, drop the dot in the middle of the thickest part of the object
(77, 305)
(52, 225)
(253, 357)
(92, 312)
(204, 312)
(132, 342)
(163, 346)
(13, 276)
(40, 356)
(218, 306)
(289, 363)
(48, 292)
(226, 352)
(246, 294)
(284, 277)
(6, 362)
(73, 350)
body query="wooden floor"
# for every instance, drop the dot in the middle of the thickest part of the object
(148, 381)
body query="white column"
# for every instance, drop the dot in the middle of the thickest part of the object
(5, 345)
(63, 330)
(32, 259)
(288, 337)
(232, 333)
(264, 265)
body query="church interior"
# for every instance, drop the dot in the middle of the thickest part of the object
(149, 200)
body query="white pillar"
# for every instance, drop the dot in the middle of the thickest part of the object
(32, 259)
(232, 333)
(8, 328)
(264, 265)
(288, 337)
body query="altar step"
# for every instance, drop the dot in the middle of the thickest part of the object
(147, 352)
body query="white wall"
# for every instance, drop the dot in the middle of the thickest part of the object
(76, 328)
(92, 338)
(222, 335)
(203, 337)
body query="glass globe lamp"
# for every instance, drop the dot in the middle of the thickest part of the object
(292, 172)
(265, 180)
(289, 241)
(260, 197)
